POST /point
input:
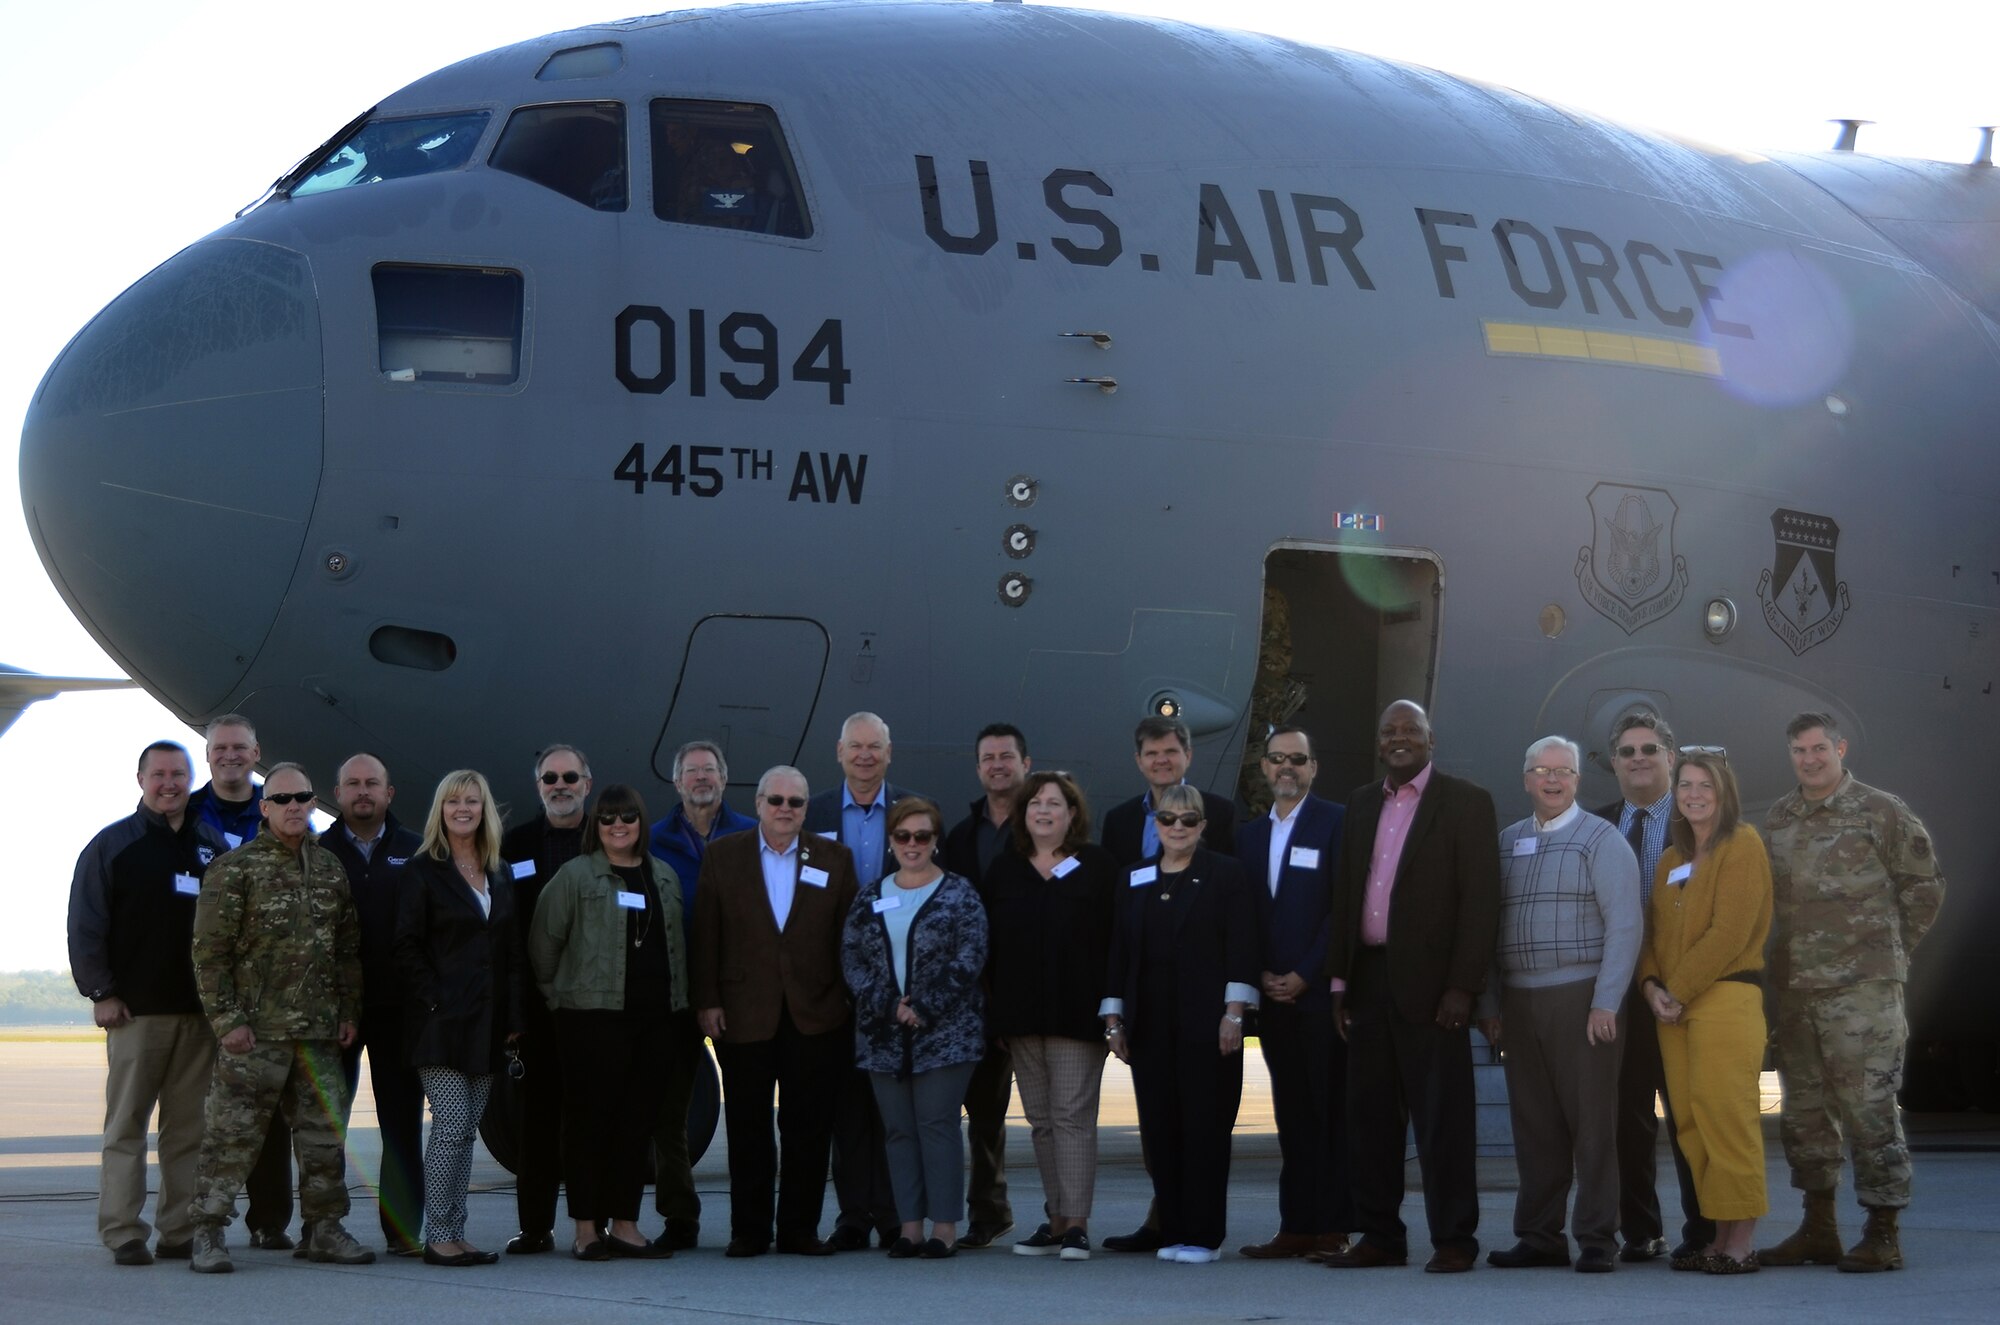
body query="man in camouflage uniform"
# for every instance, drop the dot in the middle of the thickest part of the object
(277, 957)
(1855, 887)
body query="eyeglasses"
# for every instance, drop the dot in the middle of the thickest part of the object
(569, 779)
(780, 802)
(621, 817)
(1718, 751)
(1295, 760)
(1167, 819)
(921, 836)
(1546, 771)
(287, 797)
(1649, 748)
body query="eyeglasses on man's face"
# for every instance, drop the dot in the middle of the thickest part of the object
(571, 778)
(781, 802)
(288, 797)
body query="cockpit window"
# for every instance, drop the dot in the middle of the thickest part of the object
(724, 164)
(577, 150)
(397, 149)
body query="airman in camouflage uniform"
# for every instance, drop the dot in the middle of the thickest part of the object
(277, 957)
(1856, 886)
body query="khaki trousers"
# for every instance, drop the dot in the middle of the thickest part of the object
(162, 1059)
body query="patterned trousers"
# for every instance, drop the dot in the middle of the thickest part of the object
(1060, 1081)
(1840, 1059)
(457, 1101)
(302, 1080)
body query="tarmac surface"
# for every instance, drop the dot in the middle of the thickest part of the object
(53, 1270)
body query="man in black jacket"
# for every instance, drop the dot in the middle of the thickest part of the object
(534, 851)
(131, 929)
(982, 837)
(374, 847)
(1163, 749)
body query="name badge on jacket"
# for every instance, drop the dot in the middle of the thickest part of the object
(1680, 874)
(522, 868)
(889, 903)
(1144, 875)
(187, 885)
(813, 875)
(1067, 865)
(1525, 846)
(1305, 858)
(631, 901)
(830, 835)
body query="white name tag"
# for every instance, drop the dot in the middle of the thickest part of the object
(831, 835)
(1305, 858)
(1525, 846)
(888, 903)
(1067, 865)
(187, 885)
(631, 901)
(1680, 874)
(1144, 875)
(813, 875)
(233, 840)
(522, 868)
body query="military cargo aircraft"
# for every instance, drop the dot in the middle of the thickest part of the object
(723, 372)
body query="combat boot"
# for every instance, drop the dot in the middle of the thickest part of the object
(1817, 1241)
(211, 1253)
(333, 1245)
(1878, 1249)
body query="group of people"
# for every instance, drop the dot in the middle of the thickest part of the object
(880, 975)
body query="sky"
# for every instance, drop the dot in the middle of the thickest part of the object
(133, 127)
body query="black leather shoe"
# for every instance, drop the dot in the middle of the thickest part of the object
(531, 1244)
(904, 1250)
(1521, 1256)
(680, 1235)
(272, 1240)
(1649, 1250)
(175, 1251)
(847, 1237)
(458, 1260)
(1364, 1255)
(739, 1248)
(635, 1251)
(805, 1246)
(132, 1253)
(1144, 1239)
(979, 1235)
(937, 1249)
(1595, 1260)
(594, 1250)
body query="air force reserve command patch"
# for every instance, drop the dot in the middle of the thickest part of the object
(1629, 571)
(1803, 602)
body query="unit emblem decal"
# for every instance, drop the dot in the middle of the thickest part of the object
(1803, 602)
(1629, 571)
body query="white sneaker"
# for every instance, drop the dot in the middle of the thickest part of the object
(1197, 1255)
(1172, 1253)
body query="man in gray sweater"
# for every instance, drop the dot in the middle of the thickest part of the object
(1570, 929)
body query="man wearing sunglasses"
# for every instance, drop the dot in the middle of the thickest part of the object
(534, 851)
(765, 982)
(1289, 856)
(277, 958)
(1642, 757)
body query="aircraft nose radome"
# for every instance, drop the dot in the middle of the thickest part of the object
(170, 459)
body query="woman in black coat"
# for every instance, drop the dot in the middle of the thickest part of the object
(458, 946)
(1183, 951)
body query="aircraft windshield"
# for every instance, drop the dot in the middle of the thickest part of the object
(397, 149)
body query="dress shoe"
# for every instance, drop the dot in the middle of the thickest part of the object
(1364, 1255)
(131, 1253)
(807, 1245)
(847, 1237)
(740, 1248)
(1649, 1250)
(680, 1235)
(905, 1249)
(1456, 1260)
(270, 1240)
(1044, 1241)
(1521, 1256)
(458, 1260)
(937, 1249)
(978, 1234)
(1595, 1260)
(1142, 1239)
(635, 1251)
(531, 1244)
(593, 1250)
(1282, 1247)
(1325, 1245)
(175, 1251)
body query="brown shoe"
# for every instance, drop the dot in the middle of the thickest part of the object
(1282, 1247)
(1451, 1260)
(1364, 1255)
(1325, 1245)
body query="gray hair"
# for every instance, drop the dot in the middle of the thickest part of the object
(779, 771)
(1570, 747)
(1179, 798)
(230, 720)
(721, 763)
(542, 757)
(864, 716)
(288, 766)
(1648, 719)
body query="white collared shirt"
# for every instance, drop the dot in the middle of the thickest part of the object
(1281, 840)
(1560, 822)
(781, 876)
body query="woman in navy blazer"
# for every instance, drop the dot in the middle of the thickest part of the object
(1183, 970)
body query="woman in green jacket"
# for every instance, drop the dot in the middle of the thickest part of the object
(609, 949)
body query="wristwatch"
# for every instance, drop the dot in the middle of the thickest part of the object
(1231, 1016)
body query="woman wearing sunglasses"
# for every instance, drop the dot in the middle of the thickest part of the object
(912, 953)
(610, 956)
(459, 949)
(1183, 969)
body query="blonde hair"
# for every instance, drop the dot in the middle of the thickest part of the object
(437, 843)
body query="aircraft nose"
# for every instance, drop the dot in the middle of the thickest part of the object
(170, 459)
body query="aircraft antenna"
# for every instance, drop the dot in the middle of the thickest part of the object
(1849, 131)
(1984, 157)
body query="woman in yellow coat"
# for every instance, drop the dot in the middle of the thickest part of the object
(1701, 975)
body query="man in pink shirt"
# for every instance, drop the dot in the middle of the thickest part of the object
(1416, 904)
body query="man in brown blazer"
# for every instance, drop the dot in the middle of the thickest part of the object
(1415, 907)
(764, 968)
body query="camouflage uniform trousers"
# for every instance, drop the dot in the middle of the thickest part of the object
(1840, 1059)
(303, 1079)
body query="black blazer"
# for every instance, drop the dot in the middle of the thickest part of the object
(1444, 912)
(1294, 928)
(1215, 945)
(1049, 945)
(462, 969)
(961, 846)
(1124, 833)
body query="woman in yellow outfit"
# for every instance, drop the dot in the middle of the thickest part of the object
(1700, 972)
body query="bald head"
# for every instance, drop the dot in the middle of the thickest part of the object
(363, 794)
(1403, 740)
